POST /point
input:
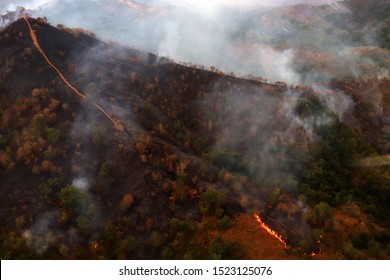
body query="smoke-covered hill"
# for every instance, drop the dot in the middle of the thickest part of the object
(153, 159)
(290, 43)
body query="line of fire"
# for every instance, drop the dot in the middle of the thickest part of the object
(265, 222)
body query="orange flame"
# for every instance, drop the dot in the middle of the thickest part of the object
(269, 230)
(319, 249)
(314, 254)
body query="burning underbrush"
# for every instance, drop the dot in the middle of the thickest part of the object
(295, 240)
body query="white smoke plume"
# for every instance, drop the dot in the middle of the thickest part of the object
(81, 183)
(8, 6)
(234, 36)
(336, 101)
(41, 235)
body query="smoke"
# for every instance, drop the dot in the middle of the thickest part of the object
(204, 4)
(234, 36)
(336, 101)
(268, 140)
(41, 234)
(81, 184)
(8, 6)
(269, 63)
(86, 136)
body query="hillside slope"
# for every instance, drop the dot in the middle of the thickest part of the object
(199, 149)
(292, 43)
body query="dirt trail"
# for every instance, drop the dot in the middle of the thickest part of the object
(118, 126)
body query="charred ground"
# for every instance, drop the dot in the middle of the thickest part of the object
(208, 149)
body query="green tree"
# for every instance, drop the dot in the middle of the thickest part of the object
(53, 135)
(225, 223)
(211, 201)
(322, 215)
(224, 250)
(330, 169)
(83, 224)
(72, 198)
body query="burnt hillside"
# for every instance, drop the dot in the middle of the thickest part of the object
(199, 148)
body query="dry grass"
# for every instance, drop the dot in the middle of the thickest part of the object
(255, 241)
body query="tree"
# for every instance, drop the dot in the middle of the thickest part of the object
(152, 58)
(322, 215)
(72, 198)
(211, 201)
(224, 250)
(83, 224)
(330, 172)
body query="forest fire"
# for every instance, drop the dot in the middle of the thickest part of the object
(269, 230)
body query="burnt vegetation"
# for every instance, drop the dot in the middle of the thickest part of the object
(202, 149)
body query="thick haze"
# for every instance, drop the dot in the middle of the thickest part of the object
(235, 36)
(33, 4)
(240, 3)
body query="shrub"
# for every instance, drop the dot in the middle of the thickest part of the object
(182, 226)
(128, 244)
(309, 105)
(349, 251)
(225, 223)
(72, 198)
(3, 140)
(167, 253)
(53, 135)
(156, 239)
(180, 192)
(322, 215)
(127, 201)
(229, 160)
(211, 201)
(39, 125)
(224, 250)
(20, 222)
(83, 224)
